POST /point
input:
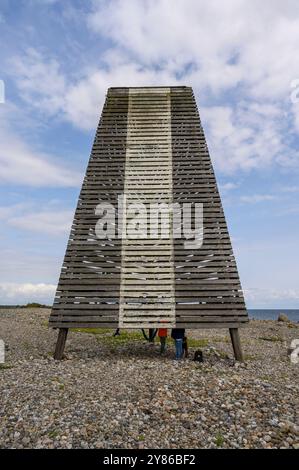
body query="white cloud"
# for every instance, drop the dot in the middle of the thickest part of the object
(271, 298)
(15, 293)
(157, 32)
(42, 84)
(254, 198)
(228, 186)
(216, 46)
(6, 211)
(45, 2)
(243, 137)
(40, 81)
(41, 220)
(294, 209)
(238, 46)
(22, 164)
(51, 223)
(290, 189)
(34, 263)
(84, 100)
(228, 42)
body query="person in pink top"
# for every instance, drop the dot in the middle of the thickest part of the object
(162, 333)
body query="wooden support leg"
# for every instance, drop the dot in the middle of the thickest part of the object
(235, 338)
(60, 343)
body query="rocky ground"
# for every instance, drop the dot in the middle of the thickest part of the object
(119, 393)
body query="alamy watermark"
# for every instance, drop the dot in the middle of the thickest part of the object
(157, 220)
(294, 351)
(295, 92)
(2, 92)
(2, 351)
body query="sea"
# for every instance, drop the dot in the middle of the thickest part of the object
(258, 314)
(269, 314)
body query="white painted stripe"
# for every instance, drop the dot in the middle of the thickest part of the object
(158, 290)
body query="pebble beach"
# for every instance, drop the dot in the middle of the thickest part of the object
(120, 393)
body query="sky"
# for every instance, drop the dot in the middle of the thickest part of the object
(57, 59)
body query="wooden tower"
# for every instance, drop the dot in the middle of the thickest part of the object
(149, 148)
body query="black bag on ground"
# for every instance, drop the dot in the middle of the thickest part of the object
(198, 356)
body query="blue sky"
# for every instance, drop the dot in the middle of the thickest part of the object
(58, 57)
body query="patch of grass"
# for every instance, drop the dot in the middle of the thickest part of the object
(219, 441)
(92, 331)
(5, 366)
(53, 434)
(124, 338)
(220, 340)
(127, 336)
(61, 385)
(197, 343)
(141, 437)
(273, 339)
(57, 381)
(35, 305)
(106, 337)
(249, 357)
(267, 378)
(223, 354)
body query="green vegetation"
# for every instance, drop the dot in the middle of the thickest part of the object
(250, 357)
(197, 343)
(124, 338)
(5, 366)
(266, 378)
(53, 434)
(106, 336)
(58, 381)
(271, 338)
(35, 305)
(217, 339)
(219, 440)
(93, 331)
(29, 305)
(222, 354)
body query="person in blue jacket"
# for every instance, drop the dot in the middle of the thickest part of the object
(178, 335)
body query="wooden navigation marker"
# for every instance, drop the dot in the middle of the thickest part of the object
(149, 148)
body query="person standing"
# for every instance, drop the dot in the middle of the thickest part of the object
(178, 335)
(162, 333)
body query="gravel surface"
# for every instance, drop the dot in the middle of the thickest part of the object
(120, 393)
